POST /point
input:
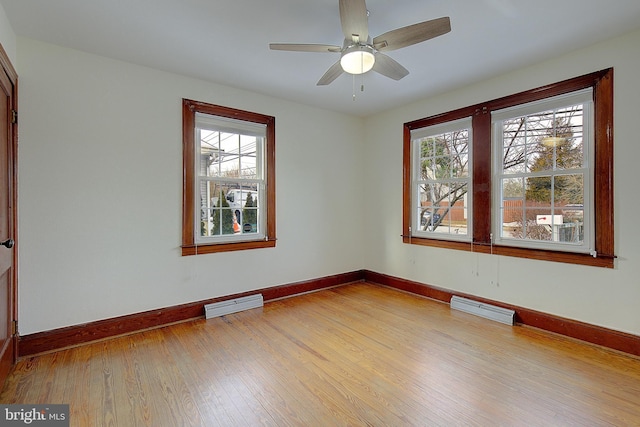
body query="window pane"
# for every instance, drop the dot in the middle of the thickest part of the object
(569, 189)
(551, 209)
(451, 220)
(217, 216)
(244, 202)
(229, 155)
(222, 222)
(228, 208)
(538, 191)
(445, 156)
(217, 154)
(443, 208)
(229, 160)
(513, 188)
(513, 191)
(427, 215)
(209, 196)
(513, 158)
(248, 148)
(426, 168)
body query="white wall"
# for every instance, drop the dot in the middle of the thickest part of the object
(7, 36)
(100, 187)
(606, 297)
(100, 193)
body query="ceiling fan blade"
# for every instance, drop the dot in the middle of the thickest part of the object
(412, 34)
(332, 73)
(305, 47)
(353, 17)
(389, 67)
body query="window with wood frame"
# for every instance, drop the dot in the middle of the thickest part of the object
(229, 179)
(541, 175)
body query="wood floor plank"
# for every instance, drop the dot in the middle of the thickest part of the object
(342, 346)
(359, 354)
(132, 403)
(199, 369)
(80, 379)
(292, 363)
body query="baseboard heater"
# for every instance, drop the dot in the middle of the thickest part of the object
(222, 308)
(487, 311)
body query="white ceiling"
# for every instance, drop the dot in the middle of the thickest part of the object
(226, 42)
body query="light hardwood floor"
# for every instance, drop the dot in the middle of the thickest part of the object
(358, 354)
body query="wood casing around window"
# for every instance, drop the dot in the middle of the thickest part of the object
(189, 246)
(602, 84)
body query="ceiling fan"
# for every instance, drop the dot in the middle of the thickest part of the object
(359, 53)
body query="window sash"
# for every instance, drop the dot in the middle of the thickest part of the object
(232, 128)
(446, 229)
(554, 212)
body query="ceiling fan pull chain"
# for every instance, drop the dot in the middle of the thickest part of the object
(353, 86)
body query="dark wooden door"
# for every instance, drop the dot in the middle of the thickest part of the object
(8, 199)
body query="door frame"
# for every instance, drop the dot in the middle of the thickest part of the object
(12, 353)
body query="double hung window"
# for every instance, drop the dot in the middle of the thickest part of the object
(228, 188)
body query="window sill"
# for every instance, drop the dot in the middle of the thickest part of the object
(226, 247)
(601, 260)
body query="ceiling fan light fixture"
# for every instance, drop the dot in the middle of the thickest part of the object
(357, 59)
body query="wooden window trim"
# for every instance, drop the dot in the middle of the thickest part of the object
(602, 84)
(189, 246)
